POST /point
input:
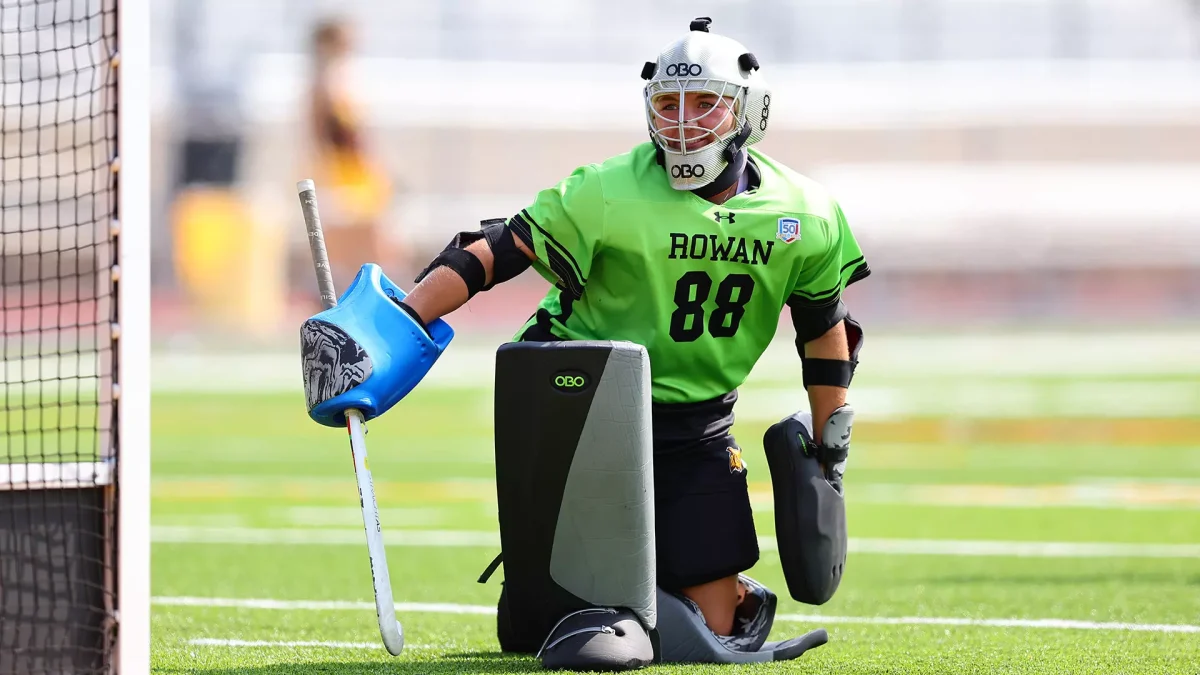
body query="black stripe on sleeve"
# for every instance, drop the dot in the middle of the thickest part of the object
(560, 267)
(566, 253)
(861, 272)
(851, 263)
(521, 228)
(817, 298)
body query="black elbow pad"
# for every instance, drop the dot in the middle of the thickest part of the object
(826, 371)
(811, 320)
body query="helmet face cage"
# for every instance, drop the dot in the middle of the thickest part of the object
(673, 134)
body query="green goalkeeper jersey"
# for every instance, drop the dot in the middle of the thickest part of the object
(701, 286)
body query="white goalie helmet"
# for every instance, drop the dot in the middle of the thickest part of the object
(713, 64)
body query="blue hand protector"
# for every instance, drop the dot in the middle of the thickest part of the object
(366, 353)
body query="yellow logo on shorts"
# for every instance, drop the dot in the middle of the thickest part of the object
(736, 463)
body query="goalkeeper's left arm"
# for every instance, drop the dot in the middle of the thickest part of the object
(459, 273)
(823, 399)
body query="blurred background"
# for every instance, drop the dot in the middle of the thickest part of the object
(1023, 175)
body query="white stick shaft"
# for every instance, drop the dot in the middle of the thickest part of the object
(385, 606)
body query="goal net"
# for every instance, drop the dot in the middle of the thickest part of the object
(59, 311)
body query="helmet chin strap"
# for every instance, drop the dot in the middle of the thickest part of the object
(736, 158)
(726, 179)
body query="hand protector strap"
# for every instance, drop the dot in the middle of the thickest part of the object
(463, 262)
(507, 260)
(366, 353)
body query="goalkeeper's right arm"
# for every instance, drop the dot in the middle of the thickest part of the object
(453, 278)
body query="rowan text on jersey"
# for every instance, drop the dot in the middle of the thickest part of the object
(702, 246)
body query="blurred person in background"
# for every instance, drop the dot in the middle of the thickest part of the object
(355, 190)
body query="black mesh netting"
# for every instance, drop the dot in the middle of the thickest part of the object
(58, 250)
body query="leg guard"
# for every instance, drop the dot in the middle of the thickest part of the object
(685, 638)
(575, 490)
(810, 512)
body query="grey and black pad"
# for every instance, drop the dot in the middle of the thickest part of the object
(810, 511)
(332, 361)
(600, 638)
(575, 485)
(685, 638)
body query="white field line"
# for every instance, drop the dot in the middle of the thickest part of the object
(214, 642)
(321, 536)
(350, 516)
(1126, 495)
(469, 538)
(971, 355)
(895, 386)
(1019, 549)
(439, 608)
(320, 605)
(1067, 624)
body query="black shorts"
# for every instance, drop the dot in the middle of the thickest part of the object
(704, 527)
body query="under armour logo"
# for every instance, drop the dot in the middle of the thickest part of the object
(728, 217)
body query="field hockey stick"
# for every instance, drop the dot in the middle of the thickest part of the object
(385, 607)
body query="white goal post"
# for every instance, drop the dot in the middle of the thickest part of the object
(133, 470)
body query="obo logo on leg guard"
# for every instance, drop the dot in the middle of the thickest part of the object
(570, 381)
